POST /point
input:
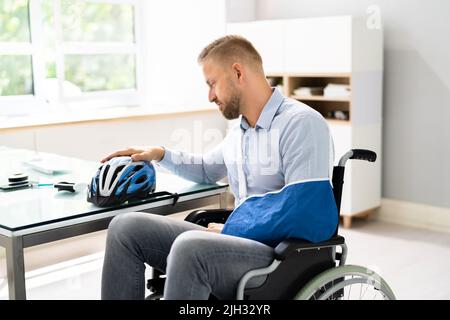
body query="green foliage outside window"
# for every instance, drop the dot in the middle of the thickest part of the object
(101, 72)
(84, 21)
(15, 75)
(14, 21)
(15, 70)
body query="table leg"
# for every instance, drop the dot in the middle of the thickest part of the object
(15, 269)
(223, 200)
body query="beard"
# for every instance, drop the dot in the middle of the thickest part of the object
(231, 109)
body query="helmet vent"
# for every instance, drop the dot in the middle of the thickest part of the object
(104, 175)
(141, 179)
(116, 172)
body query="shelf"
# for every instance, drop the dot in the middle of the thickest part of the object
(320, 75)
(339, 122)
(311, 74)
(321, 98)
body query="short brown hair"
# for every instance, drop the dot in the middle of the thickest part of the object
(232, 48)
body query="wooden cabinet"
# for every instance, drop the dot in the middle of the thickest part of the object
(302, 56)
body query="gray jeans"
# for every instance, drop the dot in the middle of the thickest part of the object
(196, 262)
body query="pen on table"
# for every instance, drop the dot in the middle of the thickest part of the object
(37, 185)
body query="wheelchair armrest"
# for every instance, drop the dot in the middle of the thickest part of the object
(203, 217)
(288, 246)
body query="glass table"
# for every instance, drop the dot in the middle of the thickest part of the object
(42, 214)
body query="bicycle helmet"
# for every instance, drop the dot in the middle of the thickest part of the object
(119, 180)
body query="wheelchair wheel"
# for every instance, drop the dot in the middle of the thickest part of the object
(154, 296)
(346, 283)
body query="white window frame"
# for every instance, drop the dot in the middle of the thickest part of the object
(31, 104)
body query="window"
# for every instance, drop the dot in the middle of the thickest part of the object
(16, 76)
(57, 54)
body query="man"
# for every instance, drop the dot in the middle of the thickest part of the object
(278, 143)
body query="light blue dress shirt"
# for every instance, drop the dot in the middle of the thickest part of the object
(290, 142)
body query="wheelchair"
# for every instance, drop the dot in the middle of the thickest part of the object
(302, 270)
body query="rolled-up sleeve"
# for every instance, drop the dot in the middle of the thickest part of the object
(206, 168)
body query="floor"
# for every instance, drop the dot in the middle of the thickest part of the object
(414, 262)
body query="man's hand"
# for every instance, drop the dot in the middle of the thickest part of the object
(139, 154)
(215, 227)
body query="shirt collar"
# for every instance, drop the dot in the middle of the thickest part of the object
(268, 112)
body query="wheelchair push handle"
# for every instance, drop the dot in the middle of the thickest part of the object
(358, 154)
(362, 154)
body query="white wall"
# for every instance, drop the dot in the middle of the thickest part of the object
(175, 33)
(241, 10)
(416, 112)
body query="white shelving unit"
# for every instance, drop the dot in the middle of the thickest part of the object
(314, 52)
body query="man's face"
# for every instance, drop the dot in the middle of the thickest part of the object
(222, 90)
